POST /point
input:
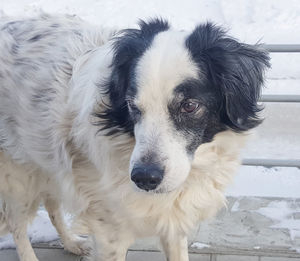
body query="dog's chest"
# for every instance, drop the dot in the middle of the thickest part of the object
(151, 215)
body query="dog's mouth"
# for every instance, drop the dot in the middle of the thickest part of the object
(160, 190)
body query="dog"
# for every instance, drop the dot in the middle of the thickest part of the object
(140, 129)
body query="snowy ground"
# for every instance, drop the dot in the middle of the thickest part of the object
(248, 20)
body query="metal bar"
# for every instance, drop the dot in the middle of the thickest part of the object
(282, 48)
(291, 48)
(271, 162)
(280, 98)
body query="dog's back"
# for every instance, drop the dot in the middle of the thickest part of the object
(36, 60)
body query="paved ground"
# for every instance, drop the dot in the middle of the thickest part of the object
(60, 255)
(251, 229)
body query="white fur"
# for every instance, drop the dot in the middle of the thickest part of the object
(162, 67)
(63, 145)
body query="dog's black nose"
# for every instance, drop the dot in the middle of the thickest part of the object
(147, 177)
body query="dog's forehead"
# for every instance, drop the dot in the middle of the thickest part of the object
(163, 66)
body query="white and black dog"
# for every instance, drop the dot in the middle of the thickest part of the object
(139, 132)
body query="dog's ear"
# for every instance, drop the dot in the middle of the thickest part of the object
(127, 47)
(241, 87)
(235, 69)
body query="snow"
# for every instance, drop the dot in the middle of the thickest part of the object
(277, 210)
(282, 213)
(235, 206)
(266, 182)
(248, 20)
(297, 249)
(199, 245)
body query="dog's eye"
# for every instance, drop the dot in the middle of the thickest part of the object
(189, 106)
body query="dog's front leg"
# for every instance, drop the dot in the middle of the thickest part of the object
(110, 243)
(17, 218)
(24, 247)
(72, 243)
(176, 249)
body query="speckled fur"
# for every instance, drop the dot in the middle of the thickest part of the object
(36, 64)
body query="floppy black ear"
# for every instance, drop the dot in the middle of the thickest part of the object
(128, 47)
(235, 69)
(242, 86)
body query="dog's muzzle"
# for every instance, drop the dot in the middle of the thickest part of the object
(147, 176)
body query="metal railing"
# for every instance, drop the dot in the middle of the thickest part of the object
(277, 48)
(282, 48)
(269, 163)
(280, 98)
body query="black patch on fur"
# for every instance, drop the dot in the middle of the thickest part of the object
(200, 126)
(128, 48)
(35, 38)
(14, 48)
(55, 25)
(236, 69)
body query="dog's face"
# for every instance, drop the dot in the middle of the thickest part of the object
(174, 91)
(173, 112)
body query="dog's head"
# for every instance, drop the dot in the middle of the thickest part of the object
(175, 90)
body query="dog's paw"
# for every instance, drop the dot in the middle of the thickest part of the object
(78, 245)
